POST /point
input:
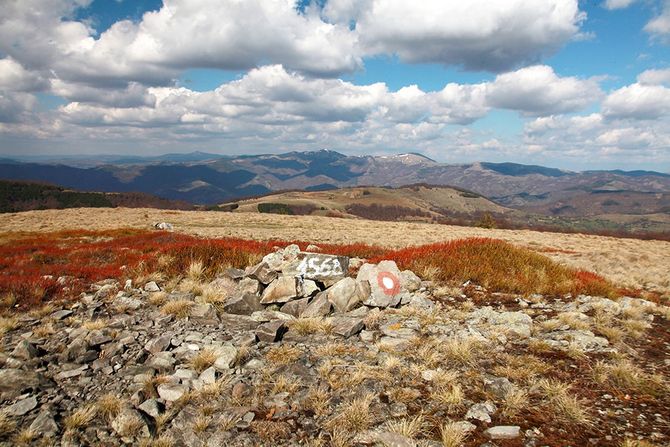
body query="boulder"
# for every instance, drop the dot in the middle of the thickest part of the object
(271, 331)
(171, 391)
(13, 382)
(244, 304)
(386, 286)
(129, 424)
(158, 344)
(261, 272)
(308, 288)
(248, 285)
(60, 314)
(204, 313)
(346, 294)
(152, 407)
(319, 307)
(151, 286)
(23, 406)
(410, 281)
(25, 351)
(347, 326)
(281, 290)
(45, 425)
(481, 412)
(226, 356)
(503, 432)
(295, 307)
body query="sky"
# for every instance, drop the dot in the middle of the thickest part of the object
(564, 83)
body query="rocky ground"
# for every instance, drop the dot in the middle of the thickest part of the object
(290, 352)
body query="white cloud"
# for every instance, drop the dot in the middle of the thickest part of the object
(618, 4)
(539, 91)
(13, 77)
(638, 101)
(15, 107)
(477, 34)
(660, 25)
(655, 77)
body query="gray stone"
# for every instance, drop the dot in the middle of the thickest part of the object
(466, 427)
(151, 286)
(245, 304)
(319, 307)
(208, 376)
(309, 288)
(25, 350)
(158, 344)
(171, 391)
(204, 313)
(390, 439)
(503, 432)
(152, 407)
(317, 267)
(271, 331)
(282, 290)
(481, 412)
(295, 307)
(14, 381)
(499, 386)
(234, 273)
(226, 356)
(385, 284)
(23, 406)
(262, 272)
(71, 373)
(97, 338)
(248, 285)
(60, 314)
(164, 226)
(130, 418)
(160, 363)
(346, 326)
(45, 425)
(346, 294)
(410, 281)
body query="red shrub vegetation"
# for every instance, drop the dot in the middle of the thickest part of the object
(498, 266)
(30, 266)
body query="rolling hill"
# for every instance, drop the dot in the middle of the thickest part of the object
(409, 203)
(26, 196)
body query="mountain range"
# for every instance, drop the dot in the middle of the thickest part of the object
(202, 178)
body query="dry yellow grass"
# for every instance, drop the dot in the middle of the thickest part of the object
(630, 262)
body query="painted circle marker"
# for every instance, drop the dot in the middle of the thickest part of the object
(389, 283)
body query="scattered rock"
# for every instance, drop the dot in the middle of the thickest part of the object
(346, 294)
(204, 313)
(61, 314)
(22, 407)
(346, 326)
(385, 283)
(481, 412)
(295, 307)
(261, 272)
(158, 344)
(226, 356)
(45, 425)
(244, 304)
(271, 331)
(25, 351)
(171, 391)
(319, 307)
(281, 290)
(151, 286)
(503, 432)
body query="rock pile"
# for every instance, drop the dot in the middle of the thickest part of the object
(303, 285)
(296, 350)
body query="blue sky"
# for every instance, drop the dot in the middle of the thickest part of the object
(579, 85)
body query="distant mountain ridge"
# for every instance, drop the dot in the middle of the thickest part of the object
(203, 178)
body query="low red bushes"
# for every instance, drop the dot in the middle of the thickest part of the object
(30, 266)
(498, 266)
